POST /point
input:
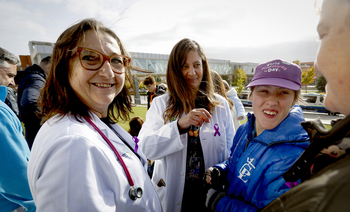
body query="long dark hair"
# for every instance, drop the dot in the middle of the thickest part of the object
(58, 98)
(182, 97)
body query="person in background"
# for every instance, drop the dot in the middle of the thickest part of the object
(135, 125)
(231, 93)
(14, 151)
(187, 130)
(325, 164)
(153, 89)
(81, 159)
(28, 93)
(11, 100)
(265, 146)
(219, 88)
(165, 87)
(7, 78)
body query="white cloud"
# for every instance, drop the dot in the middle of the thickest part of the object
(155, 26)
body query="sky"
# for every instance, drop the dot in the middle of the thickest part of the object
(237, 30)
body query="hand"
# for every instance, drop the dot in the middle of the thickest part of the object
(195, 117)
(240, 118)
(213, 198)
(213, 177)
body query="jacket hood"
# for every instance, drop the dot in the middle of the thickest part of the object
(231, 92)
(34, 69)
(289, 130)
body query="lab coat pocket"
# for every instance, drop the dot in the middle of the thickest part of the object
(220, 143)
(158, 179)
(214, 137)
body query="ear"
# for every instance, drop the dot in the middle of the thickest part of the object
(251, 96)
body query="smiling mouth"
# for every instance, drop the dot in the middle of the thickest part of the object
(270, 112)
(103, 85)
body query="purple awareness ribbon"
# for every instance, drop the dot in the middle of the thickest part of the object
(136, 140)
(216, 128)
(291, 184)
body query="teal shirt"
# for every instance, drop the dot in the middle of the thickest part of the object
(14, 155)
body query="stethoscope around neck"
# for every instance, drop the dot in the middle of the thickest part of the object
(134, 192)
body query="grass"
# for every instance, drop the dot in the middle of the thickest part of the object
(138, 111)
(142, 110)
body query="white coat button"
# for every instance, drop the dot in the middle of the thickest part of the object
(177, 203)
(181, 173)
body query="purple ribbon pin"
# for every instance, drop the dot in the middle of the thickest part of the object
(291, 184)
(136, 140)
(216, 128)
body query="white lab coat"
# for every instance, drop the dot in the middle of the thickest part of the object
(71, 168)
(164, 144)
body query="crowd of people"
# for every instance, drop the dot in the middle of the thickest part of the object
(191, 152)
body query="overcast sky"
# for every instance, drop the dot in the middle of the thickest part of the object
(235, 30)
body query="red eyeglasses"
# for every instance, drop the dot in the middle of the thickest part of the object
(92, 60)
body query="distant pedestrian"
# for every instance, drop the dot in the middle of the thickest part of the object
(28, 93)
(231, 93)
(153, 90)
(219, 88)
(135, 125)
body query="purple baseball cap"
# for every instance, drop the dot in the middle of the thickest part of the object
(278, 73)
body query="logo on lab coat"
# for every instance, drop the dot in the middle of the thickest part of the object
(245, 169)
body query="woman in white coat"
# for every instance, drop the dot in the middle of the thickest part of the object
(82, 160)
(186, 130)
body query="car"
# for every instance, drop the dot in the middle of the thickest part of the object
(244, 97)
(315, 102)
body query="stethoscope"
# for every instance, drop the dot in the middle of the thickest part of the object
(134, 192)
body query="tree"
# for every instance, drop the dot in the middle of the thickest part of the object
(227, 78)
(321, 83)
(297, 62)
(308, 76)
(240, 79)
(158, 79)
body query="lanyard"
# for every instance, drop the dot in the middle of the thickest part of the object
(134, 192)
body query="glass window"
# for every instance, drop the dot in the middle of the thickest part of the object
(321, 99)
(310, 99)
(243, 96)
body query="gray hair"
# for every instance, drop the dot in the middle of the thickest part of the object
(8, 57)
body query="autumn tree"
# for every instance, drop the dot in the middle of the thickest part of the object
(240, 79)
(308, 76)
(297, 62)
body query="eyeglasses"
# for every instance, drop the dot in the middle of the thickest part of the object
(92, 60)
(147, 86)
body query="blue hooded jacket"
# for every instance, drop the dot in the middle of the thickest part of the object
(14, 154)
(255, 167)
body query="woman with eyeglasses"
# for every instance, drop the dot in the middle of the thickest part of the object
(82, 160)
(187, 130)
